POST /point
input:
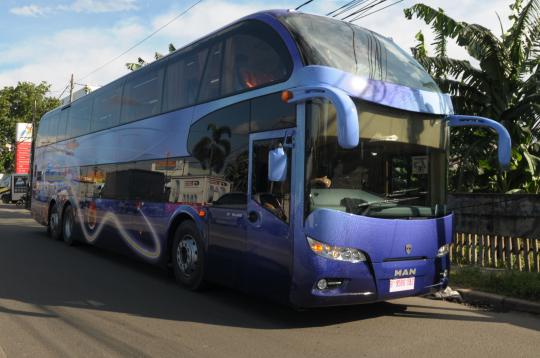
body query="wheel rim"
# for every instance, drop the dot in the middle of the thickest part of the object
(68, 225)
(187, 255)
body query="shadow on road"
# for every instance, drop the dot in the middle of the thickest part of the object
(45, 273)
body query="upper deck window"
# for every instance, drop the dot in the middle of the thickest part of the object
(79, 117)
(255, 56)
(106, 110)
(350, 48)
(142, 95)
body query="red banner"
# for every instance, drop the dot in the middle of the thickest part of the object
(23, 148)
(22, 158)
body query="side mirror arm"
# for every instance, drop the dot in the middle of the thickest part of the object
(347, 116)
(504, 146)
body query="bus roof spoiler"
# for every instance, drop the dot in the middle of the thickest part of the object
(505, 143)
(348, 127)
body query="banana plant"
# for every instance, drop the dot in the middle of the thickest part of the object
(503, 83)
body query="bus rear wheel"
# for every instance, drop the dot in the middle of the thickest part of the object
(68, 227)
(188, 256)
(54, 229)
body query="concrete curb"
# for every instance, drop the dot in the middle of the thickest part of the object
(499, 302)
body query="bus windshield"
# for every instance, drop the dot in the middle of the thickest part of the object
(350, 48)
(397, 171)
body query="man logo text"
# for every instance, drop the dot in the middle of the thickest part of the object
(409, 272)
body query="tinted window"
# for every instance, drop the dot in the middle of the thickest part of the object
(43, 130)
(211, 84)
(219, 142)
(142, 94)
(255, 56)
(79, 117)
(183, 76)
(101, 183)
(62, 125)
(273, 196)
(270, 112)
(52, 128)
(232, 199)
(106, 109)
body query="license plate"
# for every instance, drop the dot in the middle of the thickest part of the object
(402, 284)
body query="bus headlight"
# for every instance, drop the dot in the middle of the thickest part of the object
(336, 253)
(443, 250)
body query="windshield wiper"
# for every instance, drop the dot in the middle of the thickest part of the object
(369, 205)
(403, 192)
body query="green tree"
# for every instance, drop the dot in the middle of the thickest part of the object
(17, 105)
(133, 66)
(505, 86)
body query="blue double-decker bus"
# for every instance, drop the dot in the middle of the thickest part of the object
(288, 155)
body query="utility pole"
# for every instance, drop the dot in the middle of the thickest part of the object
(71, 84)
(31, 174)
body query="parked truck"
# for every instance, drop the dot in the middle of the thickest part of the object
(13, 187)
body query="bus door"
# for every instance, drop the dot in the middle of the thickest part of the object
(269, 234)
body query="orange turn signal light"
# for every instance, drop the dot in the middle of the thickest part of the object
(202, 213)
(286, 96)
(317, 247)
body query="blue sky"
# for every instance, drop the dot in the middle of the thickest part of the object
(49, 40)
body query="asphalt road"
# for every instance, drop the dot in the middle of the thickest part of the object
(60, 301)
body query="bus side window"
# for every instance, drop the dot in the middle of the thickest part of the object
(42, 133)
(142, 95)
(211, 83)
(182, 78)
(79, 117)
(52, 127)
(62, 124)
(106, 109)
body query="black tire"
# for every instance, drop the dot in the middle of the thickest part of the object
(188, 256)
(54, 229)
(69, 226)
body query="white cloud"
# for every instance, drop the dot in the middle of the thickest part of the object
(29, 10)
(98, 6)
(79, 6)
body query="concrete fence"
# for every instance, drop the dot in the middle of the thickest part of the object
(497, 230)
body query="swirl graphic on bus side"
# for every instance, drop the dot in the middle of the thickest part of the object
(109, 217)
(93, 228)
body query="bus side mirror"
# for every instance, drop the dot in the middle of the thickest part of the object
(504, 146)
(277, 165)
(348, 127)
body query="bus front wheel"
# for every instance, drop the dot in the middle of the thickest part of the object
(188, 256)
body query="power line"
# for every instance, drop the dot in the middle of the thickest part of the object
(143, 40)
(64, 90)
(304, 4)
(375, 11)
(362, 10)
(347, 7)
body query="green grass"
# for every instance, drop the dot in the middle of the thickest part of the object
(524, 285)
